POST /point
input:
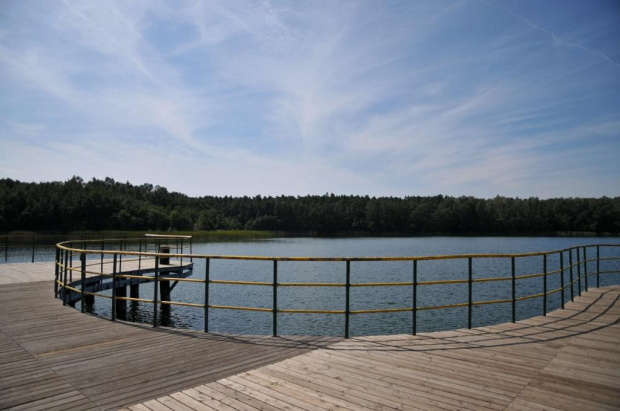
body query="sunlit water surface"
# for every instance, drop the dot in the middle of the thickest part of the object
(333, 298)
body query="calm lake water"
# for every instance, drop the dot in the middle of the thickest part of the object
(333, 298)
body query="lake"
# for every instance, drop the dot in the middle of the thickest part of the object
(333, 298)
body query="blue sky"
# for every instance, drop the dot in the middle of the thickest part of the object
(483, 98)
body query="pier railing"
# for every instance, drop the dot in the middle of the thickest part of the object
(572, 265)
(29, 247)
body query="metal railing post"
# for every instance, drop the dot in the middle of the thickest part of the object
(598, 266)
(514, 290)
(207, 279)
(71, 266)
(83, 280)
(176, 246)
(585, 268)
(562, 276)
(578, 272)
(155, 291)
(6, 248)
(182, 241)
(64, 283)
(139, 257)
(572, 278)
(275, 298)
(114, 288)
(470, 282)
(34, 239)
(545, 284)
(414, 311)
(56, 271)
(120, 257)
(347, 311)
(191, 250)
(102, 248)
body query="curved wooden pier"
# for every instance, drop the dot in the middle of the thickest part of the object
(54, 357)
(568, 360)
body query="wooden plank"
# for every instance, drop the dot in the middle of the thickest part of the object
(317, 397)
(297, 398)
(568, 362)
(194, 404)
(173, 404)
(57, 356)
(62, 400)
(563, 401)
(78, 350)
(603, 395)
(312, 387)
(434, 367)
(235, 396)
(337, 387)
(207, 400)
(381, 381)
(436, 384)
(522, 404)
(155, 405)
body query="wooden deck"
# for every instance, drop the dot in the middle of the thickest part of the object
(569, 360)
(54, 357)
(26, 272)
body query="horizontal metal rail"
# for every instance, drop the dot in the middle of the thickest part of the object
(580, 264)
(65, 246)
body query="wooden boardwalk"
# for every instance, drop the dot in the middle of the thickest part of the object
(569, 360)
(54, 357)
(26, 272)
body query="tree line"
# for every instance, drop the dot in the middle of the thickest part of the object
(110, 205)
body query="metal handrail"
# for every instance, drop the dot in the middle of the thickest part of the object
(32, 242)
(64, 248)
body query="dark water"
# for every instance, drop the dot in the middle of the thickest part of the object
(332, 298)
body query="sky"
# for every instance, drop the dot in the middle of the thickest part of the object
(381, 98)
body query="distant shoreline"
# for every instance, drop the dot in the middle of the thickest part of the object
(106, 207)
(234, 235)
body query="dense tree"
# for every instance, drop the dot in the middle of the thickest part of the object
(107, 204)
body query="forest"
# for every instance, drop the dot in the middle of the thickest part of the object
(106, 204)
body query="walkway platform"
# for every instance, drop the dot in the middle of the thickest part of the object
(568, 360)
(54, 357)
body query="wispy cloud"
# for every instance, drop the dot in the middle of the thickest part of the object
(241, 97)
(556, 40)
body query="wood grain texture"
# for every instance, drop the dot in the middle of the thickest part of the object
(568, 360)
(54, 357)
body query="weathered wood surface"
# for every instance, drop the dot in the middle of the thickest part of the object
(26, 272)
(569, 360)
(54, 357)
